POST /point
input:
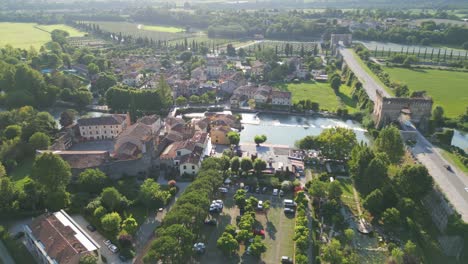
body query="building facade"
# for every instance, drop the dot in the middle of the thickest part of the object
(104, 127)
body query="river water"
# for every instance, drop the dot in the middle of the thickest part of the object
(287, 129)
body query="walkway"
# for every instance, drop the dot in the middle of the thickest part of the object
(5, 256)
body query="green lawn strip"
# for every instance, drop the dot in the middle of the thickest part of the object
(318, 92)
(348, 196)
(345, 95)
(72, 31)
(371, 73)
(454, 159)
(279, 234)
(168, 29)
(20, 174)
(448, 89)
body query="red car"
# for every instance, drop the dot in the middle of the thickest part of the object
(259, 232)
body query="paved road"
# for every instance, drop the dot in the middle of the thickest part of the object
(368, 83)
(452, 184)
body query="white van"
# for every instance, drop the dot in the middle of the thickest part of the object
(289, 203)
(275, 192)
(260, 205)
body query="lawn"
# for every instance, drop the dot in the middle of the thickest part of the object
(448, 89)
(163, 29)
(454, 159)
(20, 174)
(321, 93)
(25, 35)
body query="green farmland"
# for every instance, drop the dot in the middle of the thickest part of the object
(168, 29)
(25, 35)
(449, 89)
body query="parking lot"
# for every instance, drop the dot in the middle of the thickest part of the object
(279, 230)
(112, 258)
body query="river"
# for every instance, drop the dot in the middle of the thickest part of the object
(287, 129)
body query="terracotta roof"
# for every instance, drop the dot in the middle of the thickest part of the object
(149, 120)
(224, 129)
(59, 240)
(194, 157)
(281, 94)
(138, 130)
(102, 120)
(199, 137)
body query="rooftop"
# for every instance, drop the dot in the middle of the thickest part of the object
(102, 120)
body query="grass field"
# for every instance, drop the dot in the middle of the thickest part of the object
(321, 93)
(25, 35)
(448, 89)
(163, 29)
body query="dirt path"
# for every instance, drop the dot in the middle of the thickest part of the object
(356, 200)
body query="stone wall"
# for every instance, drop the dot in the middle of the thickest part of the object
(387, 110)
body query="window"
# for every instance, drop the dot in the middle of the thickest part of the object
(185, 167)
(193, 167)
(89, 127)
(84, 133)
(179, 153)
(104, 126)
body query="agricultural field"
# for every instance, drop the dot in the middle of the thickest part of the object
(168, 29)
(25, 35)
(137, 30)
(448, 88)
(321, 93)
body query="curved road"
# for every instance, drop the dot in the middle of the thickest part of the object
(454, 183)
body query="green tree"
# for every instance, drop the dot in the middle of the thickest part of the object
(88, 259)
(181, 101)
(93, 69)
(104, 82)
(244, 235)
(438, 116)
(235, 164)
(2, 170)
(389, 142)
(257, 247)
(336, 143)
(391, 218)
(374, 202)
(7, 194)
(335, 83)
(67, 117)
(318, 189)
(397, 255)
(414, 181)
(349, 235)
(332, 252)
(92, 180)
(99, 212)
(227, 244)
(240, 198)
(234, 138)
(111, 222)
(246, 164)
(259, 165)
(334, 190)
(111, 198)
(165, 249)
(259, 139)
(375, 174)
(184, 236)
(51, 171)
(39, 141)
(57, 199)
(130, 225)
(12, 131)
(151, 194)
(194, 99)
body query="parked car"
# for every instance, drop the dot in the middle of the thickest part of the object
(223, 190)
(257, 190)
(289, 203)
(285, 259)
(199, 247)
(281, 193)
(260, 205)
(264, 189)
(91, 228)
(448, 168)
(107, 243)
(259, 232)
(211, 222)
(289, 211)
(275, 192)
(113, 248)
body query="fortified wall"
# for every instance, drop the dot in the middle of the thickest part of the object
(387, 110)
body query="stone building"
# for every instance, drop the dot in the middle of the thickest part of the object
(103, 127)
(387, 110)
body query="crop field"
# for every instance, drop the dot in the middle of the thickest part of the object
(280, 45)
(137, 30)
(25, 35)
(447, 88)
